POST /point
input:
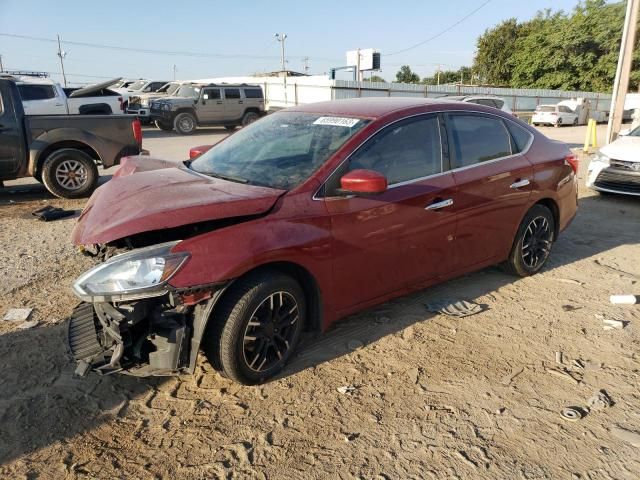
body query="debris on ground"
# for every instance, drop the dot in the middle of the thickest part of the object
(610, 324)
(572, 414)
(564, 373)
(28, 324)
(570, 308)
(347, 389)
(559, 357)
(624, 299)
(355, 345)
(627, 435)
(570, 281)
(49, 213)
(17, 314)
(454, 308)
(600, 401)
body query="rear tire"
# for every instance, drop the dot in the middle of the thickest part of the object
(558, 123)
(532, 244)
(231, 128)
(575, 122)
(256, 326)
(70, 173)
(249, 118)
(185, 123)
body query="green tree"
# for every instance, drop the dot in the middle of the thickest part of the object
(462, 75)
(557, 50)
(406, 75)
(375, 78)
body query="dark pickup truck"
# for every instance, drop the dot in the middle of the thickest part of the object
(61, 151)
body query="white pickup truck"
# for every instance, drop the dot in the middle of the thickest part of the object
(42, 96)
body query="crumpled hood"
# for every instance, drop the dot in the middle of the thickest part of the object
(624, 148)
(147, 194)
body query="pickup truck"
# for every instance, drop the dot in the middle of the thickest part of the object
(41, 96)
(61, 151)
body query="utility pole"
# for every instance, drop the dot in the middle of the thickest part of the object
(62, 54)
(621, 83)
(281, 37)
(359, 72)
(1, 67)
(306, 64)
(174, 71)
(438, 75)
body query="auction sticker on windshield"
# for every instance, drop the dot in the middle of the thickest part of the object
(337, 121)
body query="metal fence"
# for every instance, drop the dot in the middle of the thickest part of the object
(518, 99)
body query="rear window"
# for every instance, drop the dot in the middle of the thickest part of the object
(231, 93)
(253, 93)
(36, 92)
(487, 102)
(546, 108)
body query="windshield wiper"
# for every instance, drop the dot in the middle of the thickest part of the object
(230, 178)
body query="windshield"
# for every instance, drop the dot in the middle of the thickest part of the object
(137, 85)
(280, 151)
(188, 91)
(546, 108)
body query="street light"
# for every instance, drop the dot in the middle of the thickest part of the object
(281, 37)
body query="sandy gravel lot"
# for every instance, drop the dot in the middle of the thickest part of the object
(433, 397)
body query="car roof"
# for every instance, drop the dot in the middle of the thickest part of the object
(373, 107)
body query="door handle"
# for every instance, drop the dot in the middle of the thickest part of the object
(239, 101)
(219, 102)
(519, 184)
(59, 104)
(438, 205)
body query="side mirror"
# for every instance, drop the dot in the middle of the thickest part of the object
(363, 182)
(624, 132)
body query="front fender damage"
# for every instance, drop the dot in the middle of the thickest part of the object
(147, 337)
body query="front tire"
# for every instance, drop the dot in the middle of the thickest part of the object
(533, 242)
(185, 123)
(558, 123)
(70, 173)
(249, 118)
(256, 327)
(166, 127)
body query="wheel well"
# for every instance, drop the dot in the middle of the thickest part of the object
(185, 110)
(83, 147)
(555, 211)
(251, 109)
(309, 286)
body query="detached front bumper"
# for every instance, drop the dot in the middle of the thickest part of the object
(146, 337)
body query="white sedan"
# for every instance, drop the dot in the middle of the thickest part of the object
(555, 115)
(616, 167)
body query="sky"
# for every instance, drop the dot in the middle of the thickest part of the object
(237, 38)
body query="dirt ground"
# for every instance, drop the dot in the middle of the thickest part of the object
(433, 396)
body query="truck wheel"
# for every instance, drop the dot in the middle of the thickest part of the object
(249, 117)
(256, 327)
(575, 122)
(167, 127)
(185, 123)
(69, 173)
(231, 128)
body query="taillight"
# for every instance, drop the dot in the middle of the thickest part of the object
(137, 131)
(572, 161)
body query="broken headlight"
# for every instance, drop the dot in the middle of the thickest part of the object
(137, 274)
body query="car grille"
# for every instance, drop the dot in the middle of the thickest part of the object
(616, 180)
(624, 165)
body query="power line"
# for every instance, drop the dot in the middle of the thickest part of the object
(155, 52)
(441, 33)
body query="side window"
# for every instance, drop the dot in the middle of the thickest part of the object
(36, 92)
(253, 93)
(564, 109)
(499, 102)
(404, 151)
(211, 94)
(521, 136)
(231, 93)
(478, 138)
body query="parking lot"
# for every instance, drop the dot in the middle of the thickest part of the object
(428, 396)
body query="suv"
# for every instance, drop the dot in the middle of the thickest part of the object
(486, 100)
(196, 104)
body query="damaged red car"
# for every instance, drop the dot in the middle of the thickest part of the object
(304, 217)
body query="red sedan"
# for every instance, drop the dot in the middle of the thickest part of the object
(304, 217)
